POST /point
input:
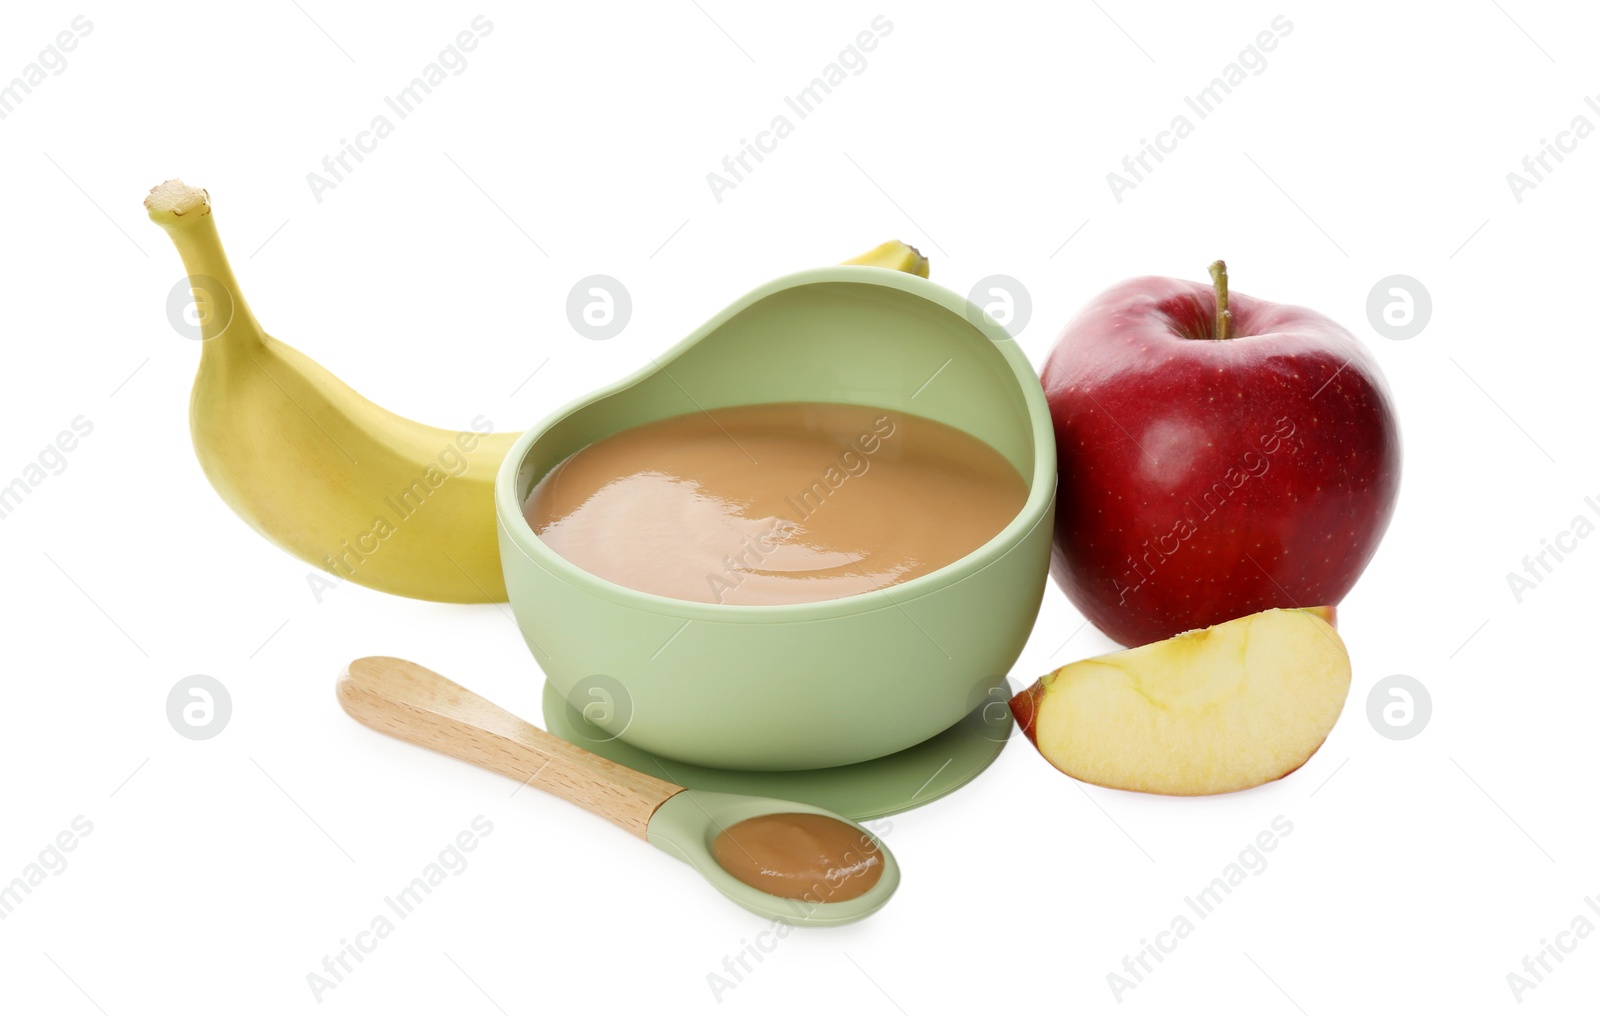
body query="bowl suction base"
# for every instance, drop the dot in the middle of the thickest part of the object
(894, 783)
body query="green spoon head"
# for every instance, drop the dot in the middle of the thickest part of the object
(688, 822)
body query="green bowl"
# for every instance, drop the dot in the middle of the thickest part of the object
(810, 685)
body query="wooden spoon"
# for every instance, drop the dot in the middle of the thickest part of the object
(412, 703)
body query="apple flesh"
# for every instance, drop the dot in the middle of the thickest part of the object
(1211, 711)
(1211, 467)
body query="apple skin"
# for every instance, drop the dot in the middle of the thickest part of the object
(1025, 709)
(1204, 479)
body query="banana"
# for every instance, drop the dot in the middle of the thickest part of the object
(326, 474)
(310, 464)
(894, 254)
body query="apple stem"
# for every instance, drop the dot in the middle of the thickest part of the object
(1219, 283)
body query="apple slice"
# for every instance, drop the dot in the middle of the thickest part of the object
(1210, 711)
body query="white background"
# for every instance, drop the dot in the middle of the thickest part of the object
(219, 873)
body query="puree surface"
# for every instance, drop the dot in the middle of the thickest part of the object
(788, 502)
(800, 857)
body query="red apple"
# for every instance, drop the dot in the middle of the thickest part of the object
(1217, 457)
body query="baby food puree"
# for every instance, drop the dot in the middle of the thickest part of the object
(778, 503)
(800, 857)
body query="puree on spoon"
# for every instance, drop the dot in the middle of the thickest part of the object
(800, 856)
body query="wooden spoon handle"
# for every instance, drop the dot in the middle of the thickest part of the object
(411, 702)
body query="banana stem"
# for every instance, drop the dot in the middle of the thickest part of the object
(185, 213)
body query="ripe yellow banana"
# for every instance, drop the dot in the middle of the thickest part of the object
(894, 254)
(313, 466)
(324, 473)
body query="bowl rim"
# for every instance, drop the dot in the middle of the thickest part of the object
(1041, 492)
